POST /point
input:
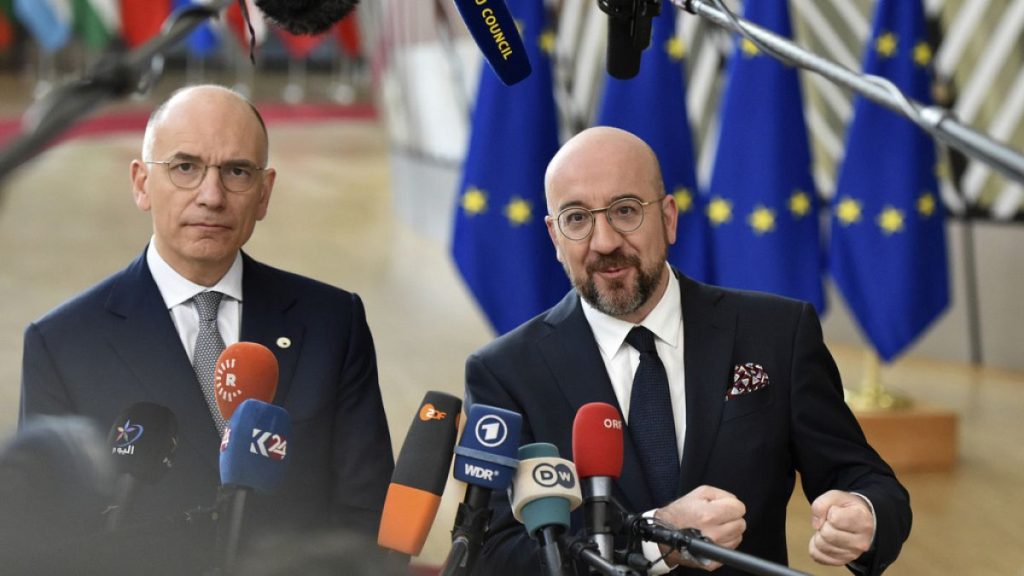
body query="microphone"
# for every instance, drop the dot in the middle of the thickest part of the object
(420, 474)
(597, 449)
(485, 460)
(244, 370)
(543, 493)
(495, 33)
(253, 456)
(308, 17)
(629, 33)
(142, 442)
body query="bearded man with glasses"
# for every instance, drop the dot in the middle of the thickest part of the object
(726, 395)
(152, 333)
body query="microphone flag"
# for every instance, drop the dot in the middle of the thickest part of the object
(652, 105)
(762, 203)
(888, 245)
(500, 206)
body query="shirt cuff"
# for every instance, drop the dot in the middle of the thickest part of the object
(653, 554)
(855, 565)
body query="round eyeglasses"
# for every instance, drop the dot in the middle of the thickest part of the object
(625, 215)
(236, 176)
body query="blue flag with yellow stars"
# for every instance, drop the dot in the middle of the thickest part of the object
(500, 243)
(652, 105)
(888, 245)
(762, 204)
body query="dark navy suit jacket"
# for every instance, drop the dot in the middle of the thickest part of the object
(752, 446)
(115, 344)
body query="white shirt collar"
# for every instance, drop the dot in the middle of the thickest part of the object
(176, 289)
(663, 320)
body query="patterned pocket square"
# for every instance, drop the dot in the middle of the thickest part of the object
(747, 378)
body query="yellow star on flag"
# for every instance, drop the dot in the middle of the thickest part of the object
(926, 204)
(546, 41)
(749, 48)
(474, 201)
(922, 54)
(848, 211)
(675, 49)
(886, 45)
(891, 220)
(719, 211)
(518, 211)
(800, 203)
(684, 199)
(762, 220)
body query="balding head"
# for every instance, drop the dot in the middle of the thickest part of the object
(181, 102)
(600, 150)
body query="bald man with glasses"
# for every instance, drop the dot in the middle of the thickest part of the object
(726, 395)
(152, 332)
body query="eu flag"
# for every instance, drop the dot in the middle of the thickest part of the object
(888, 245)
(500, 243)
(203, 40)
(762, 204)
(652, 105)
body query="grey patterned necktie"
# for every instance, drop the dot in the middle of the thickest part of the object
(208, 347)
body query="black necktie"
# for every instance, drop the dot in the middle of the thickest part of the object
(651, 424)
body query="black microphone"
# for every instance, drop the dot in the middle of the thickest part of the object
(543, 493)
(597, 450)
(495, 33)
(142, 442)
(485, 460)
(629, 33)
(309, 17)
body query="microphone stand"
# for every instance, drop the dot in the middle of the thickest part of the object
(701, 548)
(115, 76)
(937, 121)
(471, 521)
(585, 551)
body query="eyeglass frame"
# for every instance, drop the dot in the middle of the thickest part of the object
(607, 215)
(206, 167)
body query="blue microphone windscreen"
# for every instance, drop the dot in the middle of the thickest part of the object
(253, 453)
(486, 455)
(495, 33)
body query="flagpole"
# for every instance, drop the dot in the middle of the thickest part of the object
(937, 121)
(872, 395)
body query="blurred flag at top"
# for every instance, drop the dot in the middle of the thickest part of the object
(49, 21)
(652, 105)
(762, 205)
(239, 27)
(500, 242)
(141, 20)
(203, 40)
(888, 245)
(97, 22)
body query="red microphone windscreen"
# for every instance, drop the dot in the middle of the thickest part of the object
(597, 440)
(244, 370)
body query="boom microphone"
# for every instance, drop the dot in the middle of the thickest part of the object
(495, 33)
(629, 33)
(244, 370)
(485, 460)
(253, 456)
(142, 442)
(309, 17)
(543, 493)
(420, 474)
(597, 449)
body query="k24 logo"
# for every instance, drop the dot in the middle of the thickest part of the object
(268, 444)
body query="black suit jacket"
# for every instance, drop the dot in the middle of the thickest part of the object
(115, 344)
(751, 446)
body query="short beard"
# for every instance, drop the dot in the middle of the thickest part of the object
(619, 299)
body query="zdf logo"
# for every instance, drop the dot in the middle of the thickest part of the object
(491, 431)
(428, 412)
(550, 475)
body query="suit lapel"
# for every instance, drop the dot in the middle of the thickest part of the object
(708, 331)
(144, 337)
(575, 360)
(265, 321)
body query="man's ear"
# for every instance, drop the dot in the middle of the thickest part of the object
(139, 173)
(553, 234)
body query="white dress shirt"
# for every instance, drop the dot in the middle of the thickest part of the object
(177, 292)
